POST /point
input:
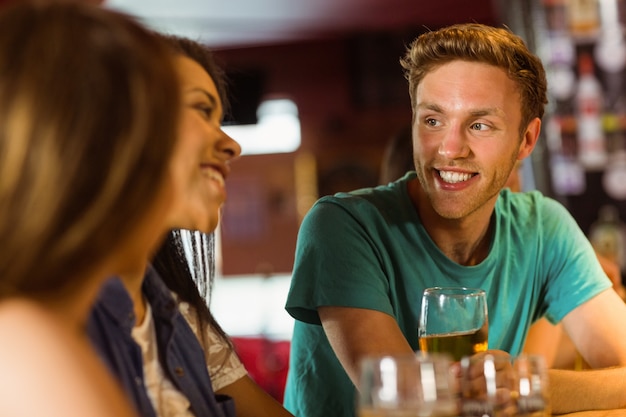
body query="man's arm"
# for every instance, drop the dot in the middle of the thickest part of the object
(598, 330)
(600, 389)
(356, 332)
(548, 340)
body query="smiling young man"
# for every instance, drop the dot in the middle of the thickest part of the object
(364, 258)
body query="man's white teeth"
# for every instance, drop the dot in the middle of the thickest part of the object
(454, 177)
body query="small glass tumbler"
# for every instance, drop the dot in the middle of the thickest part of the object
(406, 385)
(488, 386)
(532, 386)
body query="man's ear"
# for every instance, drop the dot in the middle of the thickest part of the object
(530, 138)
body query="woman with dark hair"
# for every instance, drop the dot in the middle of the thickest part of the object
(85, 158)
(172, 354)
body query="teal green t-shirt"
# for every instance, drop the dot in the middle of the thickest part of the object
(368, 249)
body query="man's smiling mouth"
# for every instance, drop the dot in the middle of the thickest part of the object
(454, 177)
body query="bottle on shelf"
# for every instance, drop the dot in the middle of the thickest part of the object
(607, 235)
(589, 107)
(584, 19)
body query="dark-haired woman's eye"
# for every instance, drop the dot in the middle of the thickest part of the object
(205, 110)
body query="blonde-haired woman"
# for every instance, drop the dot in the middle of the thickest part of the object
(85, 147)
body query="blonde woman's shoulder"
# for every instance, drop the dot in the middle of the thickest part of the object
(49, 370)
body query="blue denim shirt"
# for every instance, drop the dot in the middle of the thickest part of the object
(182, 358)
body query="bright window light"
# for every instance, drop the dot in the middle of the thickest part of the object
(277, 129)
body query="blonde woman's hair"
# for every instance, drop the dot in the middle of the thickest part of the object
(89, 104)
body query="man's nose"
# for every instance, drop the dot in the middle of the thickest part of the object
(454, 143)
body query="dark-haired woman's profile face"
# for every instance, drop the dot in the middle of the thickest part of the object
(203, 152)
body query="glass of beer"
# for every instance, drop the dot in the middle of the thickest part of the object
(410, 385)
(453, 320)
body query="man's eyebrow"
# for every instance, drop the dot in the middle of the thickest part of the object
(476, 112)
(496, 111)
(430, 106)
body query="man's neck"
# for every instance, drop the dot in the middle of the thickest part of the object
(465, 241)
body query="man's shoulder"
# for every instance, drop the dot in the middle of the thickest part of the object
(529, 201)
(533, 214)
(383, 197)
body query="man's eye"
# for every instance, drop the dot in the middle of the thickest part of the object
(478, 126)
(432, 122)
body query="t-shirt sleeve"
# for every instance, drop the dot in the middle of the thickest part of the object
(337, 261)
(223, 364)
(574, 272)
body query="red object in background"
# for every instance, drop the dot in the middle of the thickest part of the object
(267, 362)
(86, 1)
